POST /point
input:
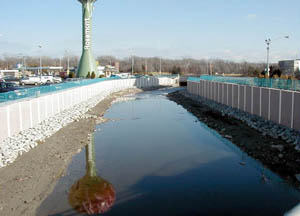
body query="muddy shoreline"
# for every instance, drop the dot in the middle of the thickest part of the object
(275, 154)
(27, 182)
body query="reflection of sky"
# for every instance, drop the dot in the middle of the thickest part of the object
(162, 141)
(159, 152)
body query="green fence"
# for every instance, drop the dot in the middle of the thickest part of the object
(286, 84)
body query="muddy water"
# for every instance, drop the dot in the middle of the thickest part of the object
(155, 158)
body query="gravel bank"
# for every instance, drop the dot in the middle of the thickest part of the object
(276, 146)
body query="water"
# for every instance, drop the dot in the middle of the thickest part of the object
(155, 158)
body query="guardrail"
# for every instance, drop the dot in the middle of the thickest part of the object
(287, 84)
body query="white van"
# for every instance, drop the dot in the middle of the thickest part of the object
(34, 80)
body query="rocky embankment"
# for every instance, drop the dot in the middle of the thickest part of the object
(276, 146)
(15, 146)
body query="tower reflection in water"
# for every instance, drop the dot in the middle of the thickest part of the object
(91, 194)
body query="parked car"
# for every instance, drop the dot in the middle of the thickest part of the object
(7, 87)
(46, 79)
(12, 79)
(57, 79)
(34, 80)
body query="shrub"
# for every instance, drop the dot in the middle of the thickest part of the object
(72, 75)
(88, 75)
(93, 75)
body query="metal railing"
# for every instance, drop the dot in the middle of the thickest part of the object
(287, 84)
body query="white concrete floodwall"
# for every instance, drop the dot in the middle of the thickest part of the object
(21, 115)
(279, 106)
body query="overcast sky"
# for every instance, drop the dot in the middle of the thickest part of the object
(227, 29)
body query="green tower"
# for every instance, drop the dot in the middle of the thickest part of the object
(87, 62)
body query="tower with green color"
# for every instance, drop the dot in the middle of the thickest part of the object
(87, 62)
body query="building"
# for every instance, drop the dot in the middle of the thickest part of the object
(101, 70)
(9, 73)
(116, 65)
(290, 67)
(110, 70)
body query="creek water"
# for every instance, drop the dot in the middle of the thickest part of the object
(155, 158)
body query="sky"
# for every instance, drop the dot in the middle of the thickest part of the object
(202, 29)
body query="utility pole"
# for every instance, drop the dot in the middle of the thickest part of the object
(146, 67)
(207, 68)
(40, 68)
(60, 63)
(68, 62)
(160, 65)
(23, 66)
(132, 65)
(268, 41)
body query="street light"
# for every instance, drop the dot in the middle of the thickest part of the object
(268, 42)
(68, 62)
(132, 64)
(160, 65)
(40, 68)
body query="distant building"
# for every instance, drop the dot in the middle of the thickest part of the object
(101, 70)
(9, 73)
(290, 67)
(116, 65)
(110, 70)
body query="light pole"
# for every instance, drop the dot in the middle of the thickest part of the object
(268, 42)
(132, 64)
(160, 65)
(68, 62)
(40, 68)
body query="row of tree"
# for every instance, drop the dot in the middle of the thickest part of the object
(148, 65)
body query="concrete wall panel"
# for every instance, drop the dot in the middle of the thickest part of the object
(225, 93)
(3, 126)
(248, 99)
(296, 121)
(25, 115)
(14, 118)
(286, 108)
(42, 108)
(56, 108)
(241, 104)
(235, 102)
(274, 102)
(265, 103)
(215, 86)
(256, 101)
(229, 95)
(35, 111)
(220, 92)
(49, 104)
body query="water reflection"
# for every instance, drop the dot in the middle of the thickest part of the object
(91, 194)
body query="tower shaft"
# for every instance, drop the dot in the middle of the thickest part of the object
(87, 62)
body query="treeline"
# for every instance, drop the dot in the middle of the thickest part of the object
(151, 64)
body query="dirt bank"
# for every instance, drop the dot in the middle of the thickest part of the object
(276, 154)
(25, 183)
